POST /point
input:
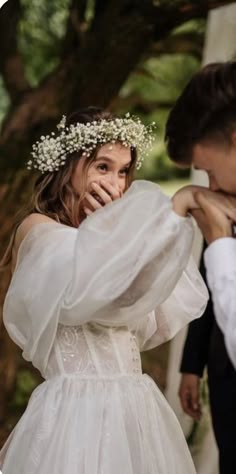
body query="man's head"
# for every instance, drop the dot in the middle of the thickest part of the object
(201, 128)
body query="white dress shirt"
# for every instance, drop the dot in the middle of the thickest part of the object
(220, 261)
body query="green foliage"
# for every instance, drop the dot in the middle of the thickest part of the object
(191, 26)
(25, 384)
(160, 80)
(40, 33)
(4, 101)
(152, 90)
(89, 12)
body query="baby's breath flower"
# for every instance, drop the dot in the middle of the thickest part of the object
(49, 152)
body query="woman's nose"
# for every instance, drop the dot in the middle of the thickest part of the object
(213, 185)
(114, 181)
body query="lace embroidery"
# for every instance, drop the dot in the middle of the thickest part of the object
(90, 350)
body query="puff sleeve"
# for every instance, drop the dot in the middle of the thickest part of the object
(121, 263)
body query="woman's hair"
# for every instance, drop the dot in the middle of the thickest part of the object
(205, 112)
(53, 194)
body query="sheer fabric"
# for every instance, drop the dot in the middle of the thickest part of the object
(82, 304)
(220, 261)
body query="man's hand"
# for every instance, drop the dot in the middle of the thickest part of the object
(189, 394)
(225, 202)
(212, 221)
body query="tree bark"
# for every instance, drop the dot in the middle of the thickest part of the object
(11, 65)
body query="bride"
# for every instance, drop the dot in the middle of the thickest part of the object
(101, 270)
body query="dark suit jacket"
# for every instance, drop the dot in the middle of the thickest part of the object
(204, 345)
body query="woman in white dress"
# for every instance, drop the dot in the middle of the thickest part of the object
(101, 270)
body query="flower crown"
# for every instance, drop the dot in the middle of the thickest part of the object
(51, 151)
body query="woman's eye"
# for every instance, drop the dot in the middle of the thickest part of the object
(124, 171)
(102, 167)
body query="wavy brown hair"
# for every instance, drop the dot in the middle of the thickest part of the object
(53, 194)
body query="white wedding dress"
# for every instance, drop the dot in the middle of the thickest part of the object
(82, 304)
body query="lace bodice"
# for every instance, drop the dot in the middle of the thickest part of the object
(94, 350)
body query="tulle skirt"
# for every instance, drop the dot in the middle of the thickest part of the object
(85, 425)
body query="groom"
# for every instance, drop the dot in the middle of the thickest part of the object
(201, 130)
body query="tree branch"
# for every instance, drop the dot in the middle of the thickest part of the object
(11, 65)
(100, 7)
(184, 43)
(76, 26)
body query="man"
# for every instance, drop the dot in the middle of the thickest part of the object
(205, 347)
(201, 130)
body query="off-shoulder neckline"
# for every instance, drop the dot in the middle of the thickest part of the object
(30, 231)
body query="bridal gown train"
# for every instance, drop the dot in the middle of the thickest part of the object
(82, 304)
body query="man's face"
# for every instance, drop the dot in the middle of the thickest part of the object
(219, 161)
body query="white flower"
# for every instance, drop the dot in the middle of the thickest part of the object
(50, 152)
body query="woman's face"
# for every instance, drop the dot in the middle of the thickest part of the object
(111, 165)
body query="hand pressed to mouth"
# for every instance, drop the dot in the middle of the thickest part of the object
(98, 198)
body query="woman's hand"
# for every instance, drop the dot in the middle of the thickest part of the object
(224, 202)
(184, 200)
(99, 195)
(212, 221)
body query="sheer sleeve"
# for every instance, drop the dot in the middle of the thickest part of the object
(186, 302)
(122, 262)
(220, 260)
(129, 258)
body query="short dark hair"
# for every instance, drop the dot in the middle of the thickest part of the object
(205, 111)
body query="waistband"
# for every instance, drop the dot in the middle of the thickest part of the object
(95, 377)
